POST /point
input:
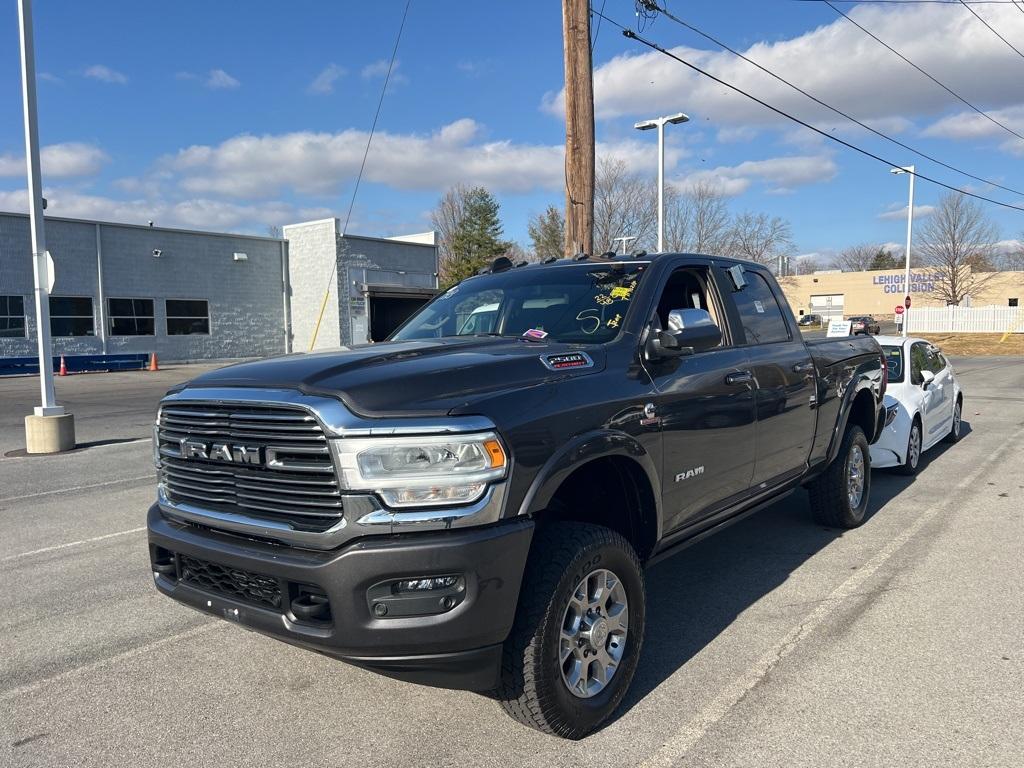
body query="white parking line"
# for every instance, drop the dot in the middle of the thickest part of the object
(56, 547)
(131, 653)
(76, 488)
(683, 740)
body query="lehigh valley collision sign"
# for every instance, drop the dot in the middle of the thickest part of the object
(894, 283)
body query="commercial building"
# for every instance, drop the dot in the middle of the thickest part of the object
(843, 294)
(189, 295)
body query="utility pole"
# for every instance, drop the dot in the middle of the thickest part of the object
(49, 429)
(579, 128)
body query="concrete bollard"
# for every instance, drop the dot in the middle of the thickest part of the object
(49, 434)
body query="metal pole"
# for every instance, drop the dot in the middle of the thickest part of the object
(48, 398)
(99, 290)
(661, 186)
(910, 229)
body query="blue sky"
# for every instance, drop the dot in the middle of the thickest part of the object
(207, 116)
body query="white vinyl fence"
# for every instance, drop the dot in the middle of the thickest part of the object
(966, 320)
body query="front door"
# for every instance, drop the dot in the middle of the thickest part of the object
(705, 408)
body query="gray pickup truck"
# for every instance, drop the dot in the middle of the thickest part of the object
(471, 504)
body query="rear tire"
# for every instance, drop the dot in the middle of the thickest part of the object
(913, 457)
(547, 682)
(839, 496)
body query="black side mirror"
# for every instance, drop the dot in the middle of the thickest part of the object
(689, 331)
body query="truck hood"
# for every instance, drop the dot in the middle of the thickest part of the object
(410, 378)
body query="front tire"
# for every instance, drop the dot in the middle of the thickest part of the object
(913, 456)
(839, 496)
(579, 627)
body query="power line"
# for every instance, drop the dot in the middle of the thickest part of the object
(891, 164)
(816, 100)
(362, 167)
(597, 31)
(916, 2)
(942, 85)
(994, 31)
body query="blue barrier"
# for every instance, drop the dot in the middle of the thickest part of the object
(15, 366)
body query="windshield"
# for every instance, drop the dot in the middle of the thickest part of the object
(893, 362)
(574, 303)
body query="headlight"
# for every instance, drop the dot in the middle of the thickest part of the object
(890, 414)
(422, 471)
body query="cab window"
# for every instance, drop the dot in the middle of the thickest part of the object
(918, 361)
(689, 288)
(762, 318)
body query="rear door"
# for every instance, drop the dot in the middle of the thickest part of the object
(704, 404)
(783, 373)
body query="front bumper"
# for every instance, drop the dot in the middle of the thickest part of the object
(890, 449)
(457, 648)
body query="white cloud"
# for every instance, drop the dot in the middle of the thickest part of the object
(62, 160)
(379, 69)
(49, 77)
(324, 82)
(836, 62)
(218, 79)
(215, 79)
(321, 163)
(970, 126)
(197, 213)
(779, 174)
(105, 74)
(899, 213)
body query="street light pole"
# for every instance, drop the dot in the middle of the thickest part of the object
(659, 123)
(50, 429)
(909, 170)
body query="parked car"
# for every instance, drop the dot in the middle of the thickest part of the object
(813, 320)
(476, 511)
(923, 405)
(865, 324)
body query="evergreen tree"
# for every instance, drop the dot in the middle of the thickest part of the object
(883, 260)
(476, 239)
(547, 231)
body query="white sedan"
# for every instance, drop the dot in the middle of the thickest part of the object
(923, 403)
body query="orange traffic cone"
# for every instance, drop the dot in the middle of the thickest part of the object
(153, 365)
(63, 367)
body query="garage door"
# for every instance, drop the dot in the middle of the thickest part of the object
(828, 305)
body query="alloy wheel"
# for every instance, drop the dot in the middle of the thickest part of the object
(593, 635)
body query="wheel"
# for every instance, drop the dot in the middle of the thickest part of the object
(954, 431)
(839, 496)
(579, 626)
(909, 465)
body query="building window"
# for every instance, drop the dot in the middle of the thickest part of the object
(1013, 303)
(130, 317)
(187, 316)
(12, 317)
(71, 316)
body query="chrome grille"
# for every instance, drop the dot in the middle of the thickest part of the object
(293, 481)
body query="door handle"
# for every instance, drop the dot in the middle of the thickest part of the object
(739, 377)
(803, 368)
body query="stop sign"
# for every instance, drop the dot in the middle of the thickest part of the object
(906, 302)
(899, 310)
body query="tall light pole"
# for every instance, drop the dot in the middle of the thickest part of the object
(50, 429)
(624, 240)
(909, 170)
(659, 123)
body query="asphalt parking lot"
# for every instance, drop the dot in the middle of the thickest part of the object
(776, 642)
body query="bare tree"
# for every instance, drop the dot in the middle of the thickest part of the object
(446, 219)
(957, 244)
(625, 204)
(710, 224)
(1012, 260)
(274, 231)
(765, 239)
(806, 265)
(857, 258)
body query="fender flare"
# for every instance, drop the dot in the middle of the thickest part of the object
(581, 450)
(862, 383)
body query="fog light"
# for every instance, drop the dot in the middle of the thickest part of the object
(421, 585)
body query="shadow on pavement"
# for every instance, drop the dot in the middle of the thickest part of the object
(695, 595)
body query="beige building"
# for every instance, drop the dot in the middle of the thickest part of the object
(842, 294)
